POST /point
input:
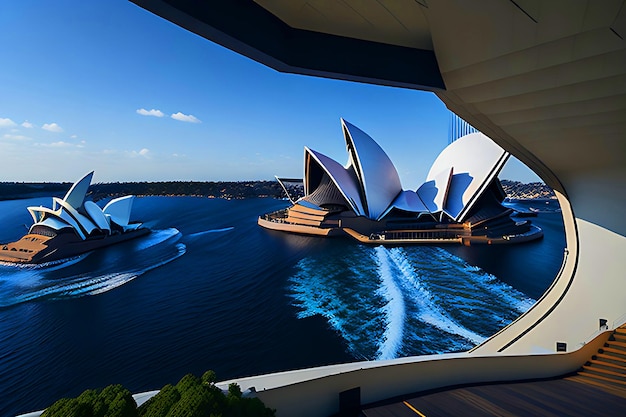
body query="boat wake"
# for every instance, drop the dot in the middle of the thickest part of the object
(89, 274)
(206, 232)
(395, 302)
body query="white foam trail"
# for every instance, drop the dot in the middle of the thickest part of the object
(500, 291)
(49, 266)
(115, 280)
(429, 312)
(346, 298)
(394, 309)
(206, 232)
(157, 236)
(31, 284)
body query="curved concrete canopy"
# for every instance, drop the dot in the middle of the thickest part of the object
(252, 30)
(375, 171)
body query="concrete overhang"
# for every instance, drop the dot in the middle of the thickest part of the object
(253, 31)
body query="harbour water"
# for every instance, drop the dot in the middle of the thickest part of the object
(209, 289)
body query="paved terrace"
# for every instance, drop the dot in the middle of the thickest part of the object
(597, 389)
(570, 396)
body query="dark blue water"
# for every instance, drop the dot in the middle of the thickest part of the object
(209, 289)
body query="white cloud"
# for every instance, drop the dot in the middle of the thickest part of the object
(62, 144)
(28, 125)
(59, 144)
(153, 112)
(7, 123)
(144, 152)
(73, 136)
(52, 127)
(16, 137)
(185, 118)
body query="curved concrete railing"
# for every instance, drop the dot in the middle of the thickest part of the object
(315, 392)
(587, 292)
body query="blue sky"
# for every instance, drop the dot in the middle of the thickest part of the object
(107, 86)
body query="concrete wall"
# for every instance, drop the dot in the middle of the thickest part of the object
(315, 392)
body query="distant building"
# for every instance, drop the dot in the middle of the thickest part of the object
(458, 128)
(460, 201)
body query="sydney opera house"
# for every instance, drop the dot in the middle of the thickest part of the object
(460, 201)
(73, 226)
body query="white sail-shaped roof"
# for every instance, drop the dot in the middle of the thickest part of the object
(434, 191)
(96, 214)
(409, 201)
(84, 222)
(340, 176)
(63, 217)
(460, 174)
(370, 183)
(76, 194)
(84, 217)
(118, 210)
(378, 176)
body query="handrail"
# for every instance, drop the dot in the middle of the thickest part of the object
(619, 321)
(616, 323)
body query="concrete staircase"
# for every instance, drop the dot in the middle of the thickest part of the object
(607, 368)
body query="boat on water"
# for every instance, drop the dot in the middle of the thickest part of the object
(73, 226)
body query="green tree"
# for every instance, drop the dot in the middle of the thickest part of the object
(160, 404)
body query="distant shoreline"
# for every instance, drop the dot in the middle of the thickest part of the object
(229, 190)
(209, 189)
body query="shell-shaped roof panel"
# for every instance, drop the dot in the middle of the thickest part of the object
(378, 176)
(86, 224)
(96, 214)
(119, 209)
(434, 192)
(475, 160)
(409, 201)
(340, 176)
(55, 217)
(55, 223)
(76, 195)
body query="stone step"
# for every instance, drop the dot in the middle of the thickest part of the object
(608, 364)
(618, 353)
(617, 389)
(604, 372)
(611, 358)
(616, 344)
(602, 378)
